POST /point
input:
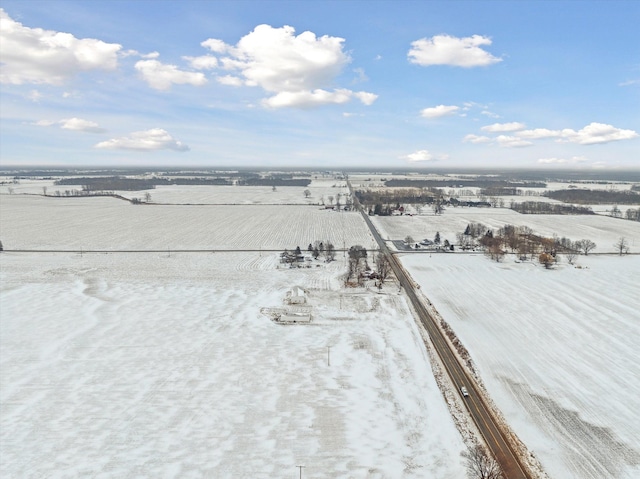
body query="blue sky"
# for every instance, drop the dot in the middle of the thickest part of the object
(320, 84)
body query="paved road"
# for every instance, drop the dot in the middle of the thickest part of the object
(481, 414)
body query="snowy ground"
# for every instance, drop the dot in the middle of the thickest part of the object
(603, 230)
(319, 191)
(149, 365)
(36, 222)
(557, 350)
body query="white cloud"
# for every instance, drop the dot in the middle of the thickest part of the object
(75, 124)
(365, 97)
(204, 62)
(562, 161)
(502, 127)
(297, 69)
(44, 123)
(309, 99)
(489, 114)
(595, 133)
(591, 134)
(439, 111)
(629, 83)
(447, 50)
(215, 45)
(230, 80)
(423, 155)
(34, 55)
(538, 133)
(476, 139)
(512, 141)
(78, 124)
(161, 76)
(149, 140)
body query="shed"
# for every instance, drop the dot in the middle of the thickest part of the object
(297, 295)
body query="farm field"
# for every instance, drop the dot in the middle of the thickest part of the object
(99, 223)
(150, 365)
(320, 190)
(557, 350)
(603, 230)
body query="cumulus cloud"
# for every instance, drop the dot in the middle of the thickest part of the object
(34, 55)
(297, 69)
(74, 124)
(538, 133)
(512, 141)
(161, 76)
(230, 80)
(423, 155)
(439, 111)
(591, 134)
(447, 50)
(502, 127)
(595, 133)
(204, 62)
(476, 139)
(148, 140)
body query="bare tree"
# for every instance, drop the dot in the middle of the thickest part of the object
(307, 193)
(330, 198)
(409, 240)
(622, 246)
(585, 245)
(383, 267)
(480, 464)
(571, 252)
(147, 197)
(44, 190)
(329, 252)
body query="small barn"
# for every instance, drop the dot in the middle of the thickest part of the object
(297, 295)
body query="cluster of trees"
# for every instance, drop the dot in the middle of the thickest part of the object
(465, 183)
(316, 249)
(623, 197)
(540, 208)
(523, 241)
(274, 181)
(106, 183)
(631, 213)
(357, 264)
(386, 202)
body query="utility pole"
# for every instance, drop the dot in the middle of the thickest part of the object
(300, 467)
(328, 355)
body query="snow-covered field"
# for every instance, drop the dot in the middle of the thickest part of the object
(150, 365)
(603, 230)
(98, 223)
(557, 350)
(320, 190)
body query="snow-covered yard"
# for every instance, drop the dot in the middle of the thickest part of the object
(150, 365)
(557, 350)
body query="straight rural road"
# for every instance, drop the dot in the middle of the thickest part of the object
(496, 438)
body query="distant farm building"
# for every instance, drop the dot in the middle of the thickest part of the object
(297, 295)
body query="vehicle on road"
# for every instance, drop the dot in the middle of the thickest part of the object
(464, 391)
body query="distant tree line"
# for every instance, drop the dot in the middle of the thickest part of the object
(464, 183)
(625, 197)
(273, 181)
(135, 184)
(540, 208)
